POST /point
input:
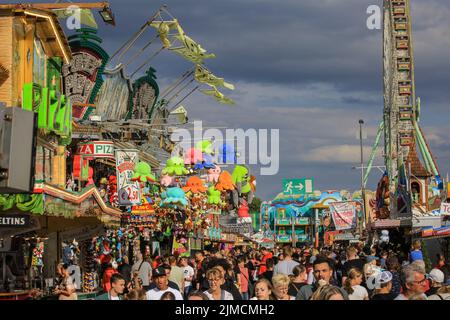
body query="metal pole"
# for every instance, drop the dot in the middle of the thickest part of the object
(363, 193)
(316, 227)
(293, 232)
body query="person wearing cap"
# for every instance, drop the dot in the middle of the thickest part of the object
(437, 279)
(162, 286)
(383, 290)
(171, 284)
(371, 272)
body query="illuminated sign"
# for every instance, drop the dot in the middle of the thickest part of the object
(96, 149)
(14, 221)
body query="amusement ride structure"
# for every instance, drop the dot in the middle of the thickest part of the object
(409, 184)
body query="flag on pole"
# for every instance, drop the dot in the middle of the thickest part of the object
(164, 28)
(220, 97)
(190, 49)
(203, 75)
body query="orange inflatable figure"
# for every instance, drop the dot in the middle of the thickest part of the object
(225, 182)
(195, 185)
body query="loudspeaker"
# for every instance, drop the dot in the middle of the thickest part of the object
(18, 134)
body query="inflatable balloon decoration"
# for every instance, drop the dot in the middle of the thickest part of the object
(225, 182)
(227, 154)
(192, 156)
(207, 163)
(214, 196)
(174, 196)
(143, 173)
(166, 180)
(243, 210)
(205, 146)
(213, 175)
(175, 166)
(241, 180)
(195, 185)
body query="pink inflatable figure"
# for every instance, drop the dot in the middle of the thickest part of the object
(192, 156)
(213, 175)
(166, 180)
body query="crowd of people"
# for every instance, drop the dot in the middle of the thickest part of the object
(354, 272)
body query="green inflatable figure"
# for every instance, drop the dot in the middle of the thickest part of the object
(214, 196)
(175, 166)
(143, 173)
(241, 179)
(205, 146)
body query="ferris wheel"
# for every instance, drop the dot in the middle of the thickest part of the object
(401, 113)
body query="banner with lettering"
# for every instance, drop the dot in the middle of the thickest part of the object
(445, 209)
(129, 192)
(343, 215)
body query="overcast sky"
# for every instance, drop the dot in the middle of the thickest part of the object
(310, 68)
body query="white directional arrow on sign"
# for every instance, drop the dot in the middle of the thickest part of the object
(300, 187)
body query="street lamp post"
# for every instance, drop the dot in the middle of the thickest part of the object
(363, 194)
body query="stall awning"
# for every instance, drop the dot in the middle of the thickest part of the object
(391, 223)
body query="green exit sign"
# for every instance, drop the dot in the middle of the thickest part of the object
(298, 186)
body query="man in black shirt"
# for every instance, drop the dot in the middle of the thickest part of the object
(269, 273)
(125, 269)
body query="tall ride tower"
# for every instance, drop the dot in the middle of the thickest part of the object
(399, 101)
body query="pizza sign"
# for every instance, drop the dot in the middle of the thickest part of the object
(97, 149)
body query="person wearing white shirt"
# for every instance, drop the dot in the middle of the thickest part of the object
(353, 286)
(188, 273)
(162, 286)
(287, 265)
(144, 269)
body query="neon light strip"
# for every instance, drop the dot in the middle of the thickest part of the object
(48, 17)
(77, 199)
